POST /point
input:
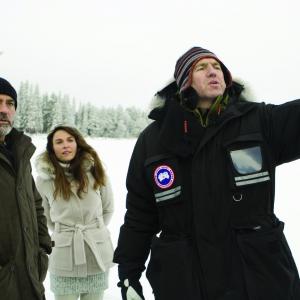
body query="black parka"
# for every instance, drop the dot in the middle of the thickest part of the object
(24, 238)
(209, 195)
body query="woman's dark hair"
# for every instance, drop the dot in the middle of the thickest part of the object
(77, 165)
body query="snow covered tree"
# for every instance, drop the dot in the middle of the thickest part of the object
(122, 119)
(21, 117)
(32, 111)
(48, 106)
(37, 106)
(67, 111)
(93, 120)
(38, 113)
(57, 112)
(138, 121)
(82, 119)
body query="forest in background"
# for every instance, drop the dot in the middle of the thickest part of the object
(38, 112)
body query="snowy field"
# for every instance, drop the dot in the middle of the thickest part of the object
(115, 154)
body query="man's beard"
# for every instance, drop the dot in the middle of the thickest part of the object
(5, 129)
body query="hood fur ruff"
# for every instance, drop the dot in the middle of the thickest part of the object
(247, 94)
(45, 168)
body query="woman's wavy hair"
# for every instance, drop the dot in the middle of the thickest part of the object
(77, 165)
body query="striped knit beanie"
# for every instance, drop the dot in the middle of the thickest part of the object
(187, 61)
(7, 89)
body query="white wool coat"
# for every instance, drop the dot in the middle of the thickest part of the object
(82, 241)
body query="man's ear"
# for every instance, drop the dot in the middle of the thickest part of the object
(190, 98)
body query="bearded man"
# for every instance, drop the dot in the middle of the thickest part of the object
(24, 238)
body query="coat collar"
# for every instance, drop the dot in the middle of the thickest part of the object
(45, 168)
(181, 132)
(20, 146)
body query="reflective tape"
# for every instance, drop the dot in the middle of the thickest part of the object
(246, 182)
(256, 175)
(166, 195)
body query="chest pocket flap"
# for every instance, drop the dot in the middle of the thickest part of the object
(247, 159)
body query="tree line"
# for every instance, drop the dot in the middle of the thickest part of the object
(39, 112)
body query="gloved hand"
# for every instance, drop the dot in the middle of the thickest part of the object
(131, 290)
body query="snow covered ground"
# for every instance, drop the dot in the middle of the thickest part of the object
(115, 154)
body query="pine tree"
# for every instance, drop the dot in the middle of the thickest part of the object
(138, 121)
(38, 113)
(36, 99)
(45, 107)
(21, 118)
(122, 119)
(82, 119)
(67, 111)
(30, 111)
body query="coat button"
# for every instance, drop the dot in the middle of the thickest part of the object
(237, 197)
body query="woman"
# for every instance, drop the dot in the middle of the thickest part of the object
(78, 203)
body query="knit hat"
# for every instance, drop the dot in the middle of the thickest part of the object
(7, 89)
(187, 61)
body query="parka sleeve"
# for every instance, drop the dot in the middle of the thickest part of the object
(44, 237)
(45, 203)
(107, 201)
(141, 219)
(283, 130)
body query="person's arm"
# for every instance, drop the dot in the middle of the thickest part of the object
(282, 127)
(140, 225)
(44, 238)
(45, 203)
(107, 201)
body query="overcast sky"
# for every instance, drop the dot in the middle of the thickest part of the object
(122, 51)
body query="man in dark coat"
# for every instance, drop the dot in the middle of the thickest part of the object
(201, 186)
(24, 238)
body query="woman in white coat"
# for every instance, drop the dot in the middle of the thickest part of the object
(78, 203)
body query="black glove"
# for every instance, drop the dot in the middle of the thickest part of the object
(131, 290)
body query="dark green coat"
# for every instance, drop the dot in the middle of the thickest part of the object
(24, 237)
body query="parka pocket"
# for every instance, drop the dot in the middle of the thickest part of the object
(164, 177)
(269, 268)
(104, 245)
(8, 282)
(5, 273)
(61, 257)
(247, 161)
(42, 264)
(171, 265)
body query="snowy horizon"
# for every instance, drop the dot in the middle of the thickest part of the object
(115, 155)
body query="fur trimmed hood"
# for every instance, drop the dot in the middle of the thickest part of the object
(45, 168)
(180, 123)
(239, 88)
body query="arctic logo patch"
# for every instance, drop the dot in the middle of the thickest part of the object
(164, 176)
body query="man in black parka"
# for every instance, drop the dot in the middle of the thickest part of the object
(24, 238)
(201, 184)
